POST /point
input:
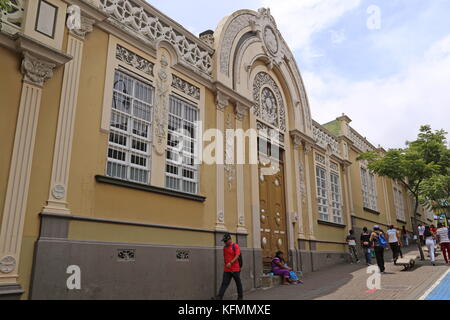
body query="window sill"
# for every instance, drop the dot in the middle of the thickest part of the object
(371, 211)
(401, 221)
(148, 188)
(331, 224)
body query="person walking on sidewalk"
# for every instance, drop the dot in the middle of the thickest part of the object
(405, 236)
(429, 242)
(421, 230)
(351, 241)
(394, 243)
(365, 244)
(232, 268)
(442, 234)
(378, 240)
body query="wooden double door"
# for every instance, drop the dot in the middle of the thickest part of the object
(272, 213)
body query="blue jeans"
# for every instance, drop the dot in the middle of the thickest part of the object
(368, 255)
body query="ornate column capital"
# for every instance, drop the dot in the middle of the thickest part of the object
(307, 147)
(222, 101)
(296, 139)
(35, 70)
(87, 26)
(241, 111)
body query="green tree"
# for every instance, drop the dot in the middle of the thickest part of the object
(5, 5)
(414, 166)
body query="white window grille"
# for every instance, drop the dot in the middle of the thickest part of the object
(181, 167)
(369, 189)
(129, 148)
(336, 198)
(322, 193)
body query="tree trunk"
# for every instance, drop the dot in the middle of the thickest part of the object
(416, 230)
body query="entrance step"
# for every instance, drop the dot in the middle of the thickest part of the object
(268, 280)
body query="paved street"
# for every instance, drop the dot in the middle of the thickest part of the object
(349, 282)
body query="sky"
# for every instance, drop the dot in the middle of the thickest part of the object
(384, 63)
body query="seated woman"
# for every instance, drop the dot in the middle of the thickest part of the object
(279, 268)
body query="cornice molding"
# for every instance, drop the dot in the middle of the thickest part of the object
(233, 95)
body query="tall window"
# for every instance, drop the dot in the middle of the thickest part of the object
(336, 198)
(181, 168)
(129, 149)
(322, 193)
(399, 204)
(369, 189)
(329, 198)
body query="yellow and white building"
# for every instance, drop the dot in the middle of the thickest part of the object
(89, 177)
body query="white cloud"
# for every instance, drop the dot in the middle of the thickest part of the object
(299, 20)
(389, 110)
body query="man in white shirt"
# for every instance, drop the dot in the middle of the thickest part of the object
(421, 229)
(443, 239)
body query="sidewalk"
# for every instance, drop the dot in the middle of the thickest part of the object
(349, 282)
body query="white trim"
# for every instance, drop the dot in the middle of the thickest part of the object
(434, 286)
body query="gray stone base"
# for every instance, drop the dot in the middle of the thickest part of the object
(10, 291)
(114, 271)
(311, 261)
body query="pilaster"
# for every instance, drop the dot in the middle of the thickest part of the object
(57, 199)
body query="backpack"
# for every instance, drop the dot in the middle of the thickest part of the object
(382, 241)
(240, 257)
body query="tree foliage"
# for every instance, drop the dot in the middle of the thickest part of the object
(420, 162)
(5, 5)
(422, 167)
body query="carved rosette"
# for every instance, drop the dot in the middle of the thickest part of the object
(35, 70)
(269, 101)
(265, 27)
(7, 264)
(161, 109)
(87, 26)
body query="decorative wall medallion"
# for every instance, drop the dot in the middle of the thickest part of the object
(263, 219)
(277, 182)
(265, 27)
(270, 39)
(162, 105)
(131, 17)
(185, 87)
(183, 255)
(126, 255)
(7, 264)
(134, 60)
(59, 192)
(269, 101)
